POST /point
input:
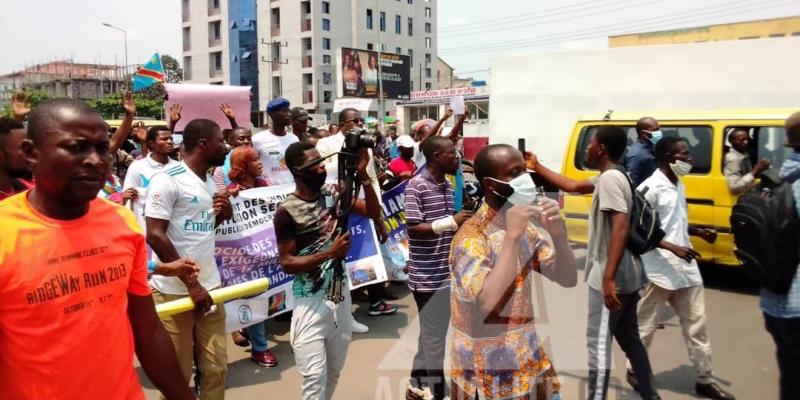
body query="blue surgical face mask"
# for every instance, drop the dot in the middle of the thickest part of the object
(655, 136)
(524, 190)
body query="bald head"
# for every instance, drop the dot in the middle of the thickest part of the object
(490, 158)
(47, 117)
(793, 130)
(646, 124)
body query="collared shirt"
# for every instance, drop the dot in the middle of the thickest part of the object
(663, 268)
(640, 161)
(788, 305)
(500, 355)
(738, 171)
(425, 202)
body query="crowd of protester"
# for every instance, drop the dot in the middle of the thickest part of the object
(88, 270)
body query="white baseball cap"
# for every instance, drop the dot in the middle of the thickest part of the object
(405, 141)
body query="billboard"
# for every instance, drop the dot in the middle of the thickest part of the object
(359, 74)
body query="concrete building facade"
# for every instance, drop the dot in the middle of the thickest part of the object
(760, 29)
(288, 48)
(64, 79)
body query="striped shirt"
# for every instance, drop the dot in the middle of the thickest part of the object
(425, 202)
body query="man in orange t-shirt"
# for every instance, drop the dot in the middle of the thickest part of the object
(73, 269)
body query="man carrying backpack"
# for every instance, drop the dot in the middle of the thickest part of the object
(614, 273)
(672, 270)
(782, 311)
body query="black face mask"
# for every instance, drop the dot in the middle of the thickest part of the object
(314, 180)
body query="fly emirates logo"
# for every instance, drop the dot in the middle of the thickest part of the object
(205, 224)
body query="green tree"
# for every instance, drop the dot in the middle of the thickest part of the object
(173, 73)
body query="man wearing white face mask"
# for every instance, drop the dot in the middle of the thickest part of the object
(672, 270)
(495, 350)
(640, 160)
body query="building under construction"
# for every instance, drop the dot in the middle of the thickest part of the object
(65, 79)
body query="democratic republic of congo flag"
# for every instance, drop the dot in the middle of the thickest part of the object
(149, 74)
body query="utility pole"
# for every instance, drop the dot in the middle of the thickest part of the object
(125, 37)
(381, 101)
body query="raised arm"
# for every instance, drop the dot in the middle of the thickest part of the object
(568, 185)
(20, 106)
(458, 128)
(435, 130)
(174, 115)
(229, 114)
(119, 137)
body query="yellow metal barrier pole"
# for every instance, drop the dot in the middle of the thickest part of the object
(219, 296)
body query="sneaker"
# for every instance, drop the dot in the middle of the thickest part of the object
(381, 308)
(358, 327)
(712, 391)
(240, 339)
(264, 358)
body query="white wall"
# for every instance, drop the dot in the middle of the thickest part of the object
(540, 96)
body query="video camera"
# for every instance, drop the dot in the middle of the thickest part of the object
(356, 139)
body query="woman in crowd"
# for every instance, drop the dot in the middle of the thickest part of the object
(245, 174)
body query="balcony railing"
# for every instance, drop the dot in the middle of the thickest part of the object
(305, 25)
(307, 62)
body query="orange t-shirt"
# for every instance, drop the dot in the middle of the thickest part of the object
(64, 327)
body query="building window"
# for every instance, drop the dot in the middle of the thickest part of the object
(398, 24)
(370, 46)
(410, 1)
(187, 68)
(383, 21)
(307, 43)
(410, 25)
(795, 33)
(369, 19)
(428, 86)
(326, 44)
(428, 42)
(427, 27)
(411, 57)
(326, 96)
(326, 24)
(326, 78)
(427, 12)
(187, 38)
(326, 7)
(438, 76)
(427, 72)
(383, 47)
(427, 59)
(326, 59)
(777, 35)
(398, 50)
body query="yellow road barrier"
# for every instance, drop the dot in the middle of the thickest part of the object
(219, 296)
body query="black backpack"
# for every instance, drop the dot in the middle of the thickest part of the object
(766, 229)
(646, 232)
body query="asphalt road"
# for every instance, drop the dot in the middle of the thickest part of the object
(379, 361)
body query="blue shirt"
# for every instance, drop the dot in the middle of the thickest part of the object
(640, 161)
(788, 305)
(394, 152)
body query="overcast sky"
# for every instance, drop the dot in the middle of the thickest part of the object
(470, 31)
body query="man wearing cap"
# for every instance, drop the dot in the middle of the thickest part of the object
(300, 120)
(403, 166)
(272, 143)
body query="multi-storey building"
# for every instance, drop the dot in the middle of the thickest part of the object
(288, 48)
(65, 78)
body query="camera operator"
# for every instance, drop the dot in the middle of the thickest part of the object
(350, 119)
(308, 244)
